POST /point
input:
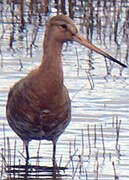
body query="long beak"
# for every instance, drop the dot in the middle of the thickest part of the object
(80, 39)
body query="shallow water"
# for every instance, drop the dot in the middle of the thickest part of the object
(95, 144)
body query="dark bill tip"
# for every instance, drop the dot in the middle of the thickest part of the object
(116, 61)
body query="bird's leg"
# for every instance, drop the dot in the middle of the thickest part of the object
(27, 150)
(54, 153)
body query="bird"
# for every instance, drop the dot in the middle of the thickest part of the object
(38, 106)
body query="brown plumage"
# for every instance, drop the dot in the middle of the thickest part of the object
(38, 105)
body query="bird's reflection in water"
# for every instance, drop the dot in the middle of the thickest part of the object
(28, 171)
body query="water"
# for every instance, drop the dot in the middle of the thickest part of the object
(95, 144)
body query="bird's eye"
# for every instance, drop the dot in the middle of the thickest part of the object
(64, 26)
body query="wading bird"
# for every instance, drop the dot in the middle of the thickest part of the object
(38, 105)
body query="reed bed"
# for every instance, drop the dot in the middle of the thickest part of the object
(109, 19)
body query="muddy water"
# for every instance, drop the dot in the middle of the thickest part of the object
(95, 144)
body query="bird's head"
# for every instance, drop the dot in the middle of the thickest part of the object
(62, 29)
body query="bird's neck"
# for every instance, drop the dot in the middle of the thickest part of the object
(51, 65)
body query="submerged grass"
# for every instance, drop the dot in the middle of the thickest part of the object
(92, 151)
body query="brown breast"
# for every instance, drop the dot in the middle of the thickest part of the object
(35, 112)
